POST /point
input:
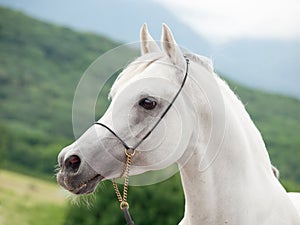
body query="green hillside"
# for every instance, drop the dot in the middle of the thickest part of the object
(40, 66)
(28, 201)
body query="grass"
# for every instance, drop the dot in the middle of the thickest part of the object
(29, 201)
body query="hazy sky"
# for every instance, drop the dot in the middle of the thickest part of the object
(253, 42)
(219, 21)
(223, 21)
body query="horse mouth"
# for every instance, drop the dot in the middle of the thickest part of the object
(86, 187)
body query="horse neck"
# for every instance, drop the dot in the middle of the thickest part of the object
(238, 177)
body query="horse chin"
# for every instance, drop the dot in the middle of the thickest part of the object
(77, 185)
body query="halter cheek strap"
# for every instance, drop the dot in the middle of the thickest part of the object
(133, 148)
(130, 151)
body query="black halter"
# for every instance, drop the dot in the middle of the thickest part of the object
(158, 121)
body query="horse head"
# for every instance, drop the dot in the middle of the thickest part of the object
(146, 113)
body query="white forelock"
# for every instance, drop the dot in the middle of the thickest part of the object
(134, 68)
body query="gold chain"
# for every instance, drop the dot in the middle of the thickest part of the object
(123, 200)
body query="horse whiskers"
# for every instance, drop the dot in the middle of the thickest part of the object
(101, 186)
(82, 200)
(56, 169)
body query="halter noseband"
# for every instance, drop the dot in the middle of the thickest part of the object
(133, 148)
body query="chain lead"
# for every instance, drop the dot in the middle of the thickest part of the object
(123, 200)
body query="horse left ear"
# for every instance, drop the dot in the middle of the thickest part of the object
(171, 48)
(148, 45)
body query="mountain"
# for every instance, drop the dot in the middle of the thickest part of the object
(271, 65)
(120, 20)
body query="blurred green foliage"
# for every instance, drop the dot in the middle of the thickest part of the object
(158, 204)
(40, 66)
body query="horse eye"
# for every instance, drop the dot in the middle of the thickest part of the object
(148, 103)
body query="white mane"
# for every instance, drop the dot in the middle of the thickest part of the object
(204, 61)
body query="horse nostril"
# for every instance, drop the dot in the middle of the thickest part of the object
(72, 163)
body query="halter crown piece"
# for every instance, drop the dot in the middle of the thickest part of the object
(130, 151)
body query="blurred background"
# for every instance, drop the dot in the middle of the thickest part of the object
(45, 47)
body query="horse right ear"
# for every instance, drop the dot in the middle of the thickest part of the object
(171, 48)
(148, 45)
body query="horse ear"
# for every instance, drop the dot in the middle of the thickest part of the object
(148, 45)
(171, 48)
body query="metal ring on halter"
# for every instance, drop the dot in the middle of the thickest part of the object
(129, 152)
(124, 204)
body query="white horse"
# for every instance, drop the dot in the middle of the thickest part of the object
(225, 169)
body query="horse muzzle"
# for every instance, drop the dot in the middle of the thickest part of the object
(77, 176)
